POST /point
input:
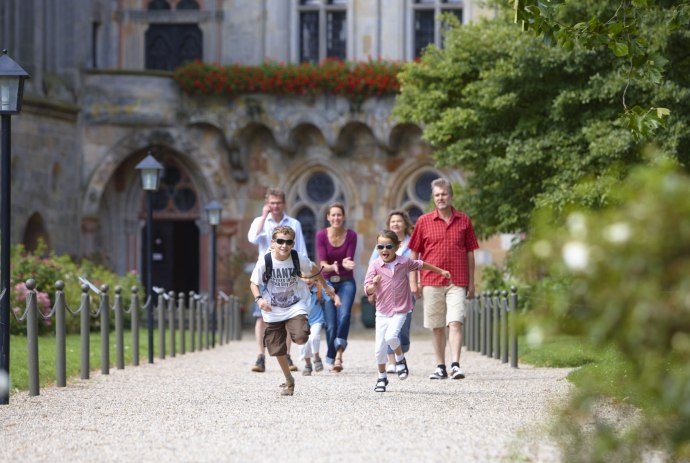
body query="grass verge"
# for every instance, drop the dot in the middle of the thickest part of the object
(19, 377)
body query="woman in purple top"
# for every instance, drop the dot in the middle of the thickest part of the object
(335, 248)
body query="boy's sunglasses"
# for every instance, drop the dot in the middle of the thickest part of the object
(282, 241)
(387, 246)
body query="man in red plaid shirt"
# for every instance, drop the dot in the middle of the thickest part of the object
(446, 239)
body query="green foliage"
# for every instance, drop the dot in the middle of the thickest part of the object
(560, 351)
(534, 125)
(47, 268)
(629, 29)
(624, 274)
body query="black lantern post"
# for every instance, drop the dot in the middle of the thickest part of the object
(150, 172)
(213, 213)
(12, 78)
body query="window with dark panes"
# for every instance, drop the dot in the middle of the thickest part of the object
(336, 34)
(322, 30)
(416, 197)
(427, 22)
(310, 197)
(309, 36)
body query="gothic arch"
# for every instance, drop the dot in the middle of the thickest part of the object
(192, 154)
(403, 136)
(401, 187)
(356, 139)
(310, 188)
(34, 231)
(304, 136)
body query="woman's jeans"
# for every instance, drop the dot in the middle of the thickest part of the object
(338, 319)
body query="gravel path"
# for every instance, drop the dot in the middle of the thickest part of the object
(208, 406)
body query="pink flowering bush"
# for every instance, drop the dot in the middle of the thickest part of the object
(47, 268)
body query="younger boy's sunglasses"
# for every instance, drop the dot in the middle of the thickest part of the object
(386, 246)
(282, 241)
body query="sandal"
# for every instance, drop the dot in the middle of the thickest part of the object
(287, 388)
(401, 369)
(381, 385)
(338, 366)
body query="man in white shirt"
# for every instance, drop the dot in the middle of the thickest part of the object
(260, 233)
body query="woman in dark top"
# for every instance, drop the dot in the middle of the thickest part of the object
(335, 247)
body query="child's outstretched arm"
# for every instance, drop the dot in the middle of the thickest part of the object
(435, 269)
(326, 287)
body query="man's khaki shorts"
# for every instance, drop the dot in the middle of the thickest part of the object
(443, 305)
(275, 334)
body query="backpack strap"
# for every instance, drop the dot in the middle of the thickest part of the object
(268, 260)
(269, 267)
(295, 263)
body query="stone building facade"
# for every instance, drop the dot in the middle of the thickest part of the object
(101, 97)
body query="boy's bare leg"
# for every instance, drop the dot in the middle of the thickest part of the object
(259, 328)
(289, 386)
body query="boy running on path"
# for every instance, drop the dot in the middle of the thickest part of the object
(388, 278)
(285, 302)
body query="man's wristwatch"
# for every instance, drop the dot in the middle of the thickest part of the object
(256, 299)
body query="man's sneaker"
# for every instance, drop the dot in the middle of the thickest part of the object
(260, 365)
(457, 373)
(306, 371)
(440, 373)
(318, 364)
(292, 366)
(401, 369)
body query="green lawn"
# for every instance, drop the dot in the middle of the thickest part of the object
(46, 355)
(601, 371)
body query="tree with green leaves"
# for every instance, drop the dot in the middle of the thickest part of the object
(538, 125)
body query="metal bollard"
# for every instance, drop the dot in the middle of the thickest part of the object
(221, 324)
(32, 336)
(105, 330)
(238, 318)
(207, 331)
(119, 330)
(512, 320)
(199, 321)
(180, 321)
(60, 337)
(85, 320)
(494, 328)
(482, 324)
(134, 313)
(161, 327)
(192, 319)
(504, 326)
(171, 321)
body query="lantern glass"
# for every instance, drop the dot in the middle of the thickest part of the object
(213, 212)
(10, 96)
(150, 178)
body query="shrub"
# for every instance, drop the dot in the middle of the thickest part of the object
(619, 278)
(47, 268)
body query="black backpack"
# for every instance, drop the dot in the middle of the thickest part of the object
(269, 265)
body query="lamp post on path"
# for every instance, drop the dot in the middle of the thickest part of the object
(213, 213)
(150, 172)
(12, 78)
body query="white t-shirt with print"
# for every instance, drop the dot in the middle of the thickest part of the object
(288, 295)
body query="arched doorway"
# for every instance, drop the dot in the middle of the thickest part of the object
(175, 247)
(35, 232)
